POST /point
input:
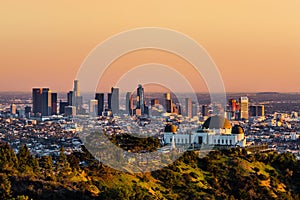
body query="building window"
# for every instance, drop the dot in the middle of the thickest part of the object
(214, 141)
(170, 139)
(182, 140)
(222, 141)
(230, 141)
(186, 141)
(218, 141)
(226, 141)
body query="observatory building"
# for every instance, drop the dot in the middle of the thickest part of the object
(216, 130)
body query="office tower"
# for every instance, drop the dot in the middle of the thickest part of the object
(140, 99)
(188, 107)
(62, 106)
(257, 110)
(109, 101)
(79, 103)
(70, 98)
(93, 107)
(100, 98)
(129, 103)
(46, 102)
(70, 111)
(54, 104)
(261, 110)
(77, 99)
(244, 108)
(194, 109)
(76, 89)
(13, 109)
(204, 110)
(37, 100)
(252, 111)
(232, 109)
(41, 101)
(232, 105)
(168, 104)
(115, 100)
(146, 109)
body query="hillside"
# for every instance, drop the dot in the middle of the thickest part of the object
(226, 174)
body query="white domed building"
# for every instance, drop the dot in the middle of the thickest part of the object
(216, 130)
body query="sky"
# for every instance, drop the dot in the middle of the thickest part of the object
(255, 44)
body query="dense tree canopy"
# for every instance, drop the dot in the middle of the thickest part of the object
(223, 174)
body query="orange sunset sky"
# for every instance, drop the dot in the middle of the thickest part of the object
(255, 44)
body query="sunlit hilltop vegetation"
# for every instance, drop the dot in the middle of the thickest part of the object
(223, 174)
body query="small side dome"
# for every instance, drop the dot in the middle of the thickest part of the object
(217, 122)
(237, 129)
(170, 128)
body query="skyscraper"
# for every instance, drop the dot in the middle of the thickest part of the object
(53, 103)
(76, 89)
(261, 110)
(140, 99)
(115, 100)
(232, 109)
(188, 107)
(244, 108)
(232, 105)
(257, 110)
(77, 99)
(37, 100)
(46, 102)
(70, 98)
(100, 98)
(194, 109)
(129, 103)
(62, 106)
(109, 101)
(41, 101)
(168, 102)
(93, 107)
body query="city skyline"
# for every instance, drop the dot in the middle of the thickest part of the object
(256, 38)
(150, 99)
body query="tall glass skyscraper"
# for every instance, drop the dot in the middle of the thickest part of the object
(129, 103)
(140, 99)
(77, 99)
(46, 102)
(37, 100)
(41, 101)
(115, 100)
(244, 108)
(100, 98)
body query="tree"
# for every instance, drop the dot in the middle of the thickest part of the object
(23, 156)
(27, 163)
(63, 166)
(8, 158)
(47, 165)
(5, 187)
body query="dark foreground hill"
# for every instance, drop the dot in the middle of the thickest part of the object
(226, 174)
